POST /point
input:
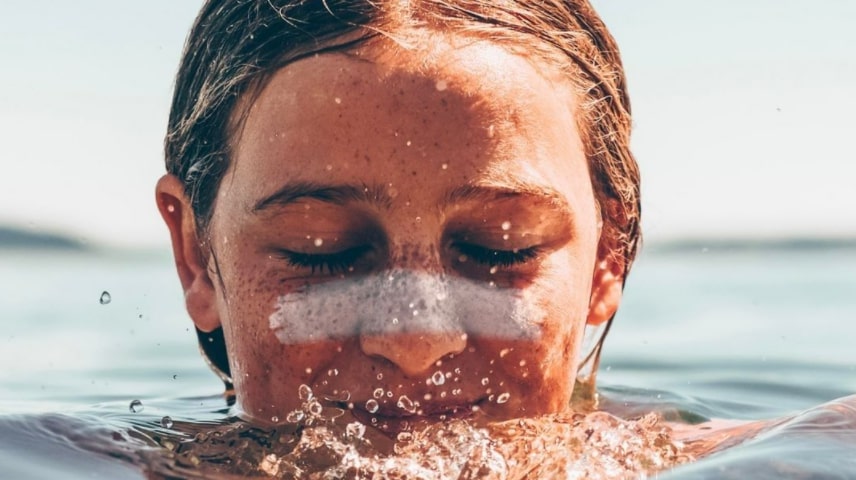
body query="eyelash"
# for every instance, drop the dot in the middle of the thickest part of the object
(333, 263)
(497, 258)
(341, 262)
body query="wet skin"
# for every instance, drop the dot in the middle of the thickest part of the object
(462, 164)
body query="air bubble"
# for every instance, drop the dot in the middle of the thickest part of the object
(406, 404)
(105, 298)
(372, 406)
(136, 406)
(503, 397)
(167, 422)
(438, 378)
(304, 392)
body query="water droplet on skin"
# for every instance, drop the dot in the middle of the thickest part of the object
(491, 131)
(462, 258)
(523, 363)
(318, 242)
(379, 376)
(494, 269)
(337, 100)
(404, 437)
(304, 392)
(503, 352)
(136, 406)
(506, 225)
(274, 419)
(503, 397)
(295, 416)
(167, 422)
(308, 370)
(485, 381)
(409, 143)
(406, 404)
(418, 219)
(389, 393)
(170, 208)
(105, 298)
(378, 392)
(441, 85)
(332, 372)
(427, 397)
(315, 408)
(328, 168)
(506, 236)
(355, 430)
(372, 406)
(444, 166)
(438, 378)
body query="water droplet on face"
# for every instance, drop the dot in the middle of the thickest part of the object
(372, 406)
(503, 352)
(506, 236)
(304, 392)
(136, 406)
(328, 168)
(337, 100)
(167, 422)
(295, 416)
(485, 381)
(462, 258)
(355, 430)
(506, 225)
(491, 131)
(503, 397)
(406, 404)
(318, 242)
(523, 363)
(409, 143)
(332, 372)
(379, 376)
(378, 392)
(494, 269)
(441, 85)
(315, 408)
(427, 397)
(444, 166)
(274, 419)
(438, 378)
(404, 437)
(105, 298)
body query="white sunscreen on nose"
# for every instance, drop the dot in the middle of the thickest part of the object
(408, 302)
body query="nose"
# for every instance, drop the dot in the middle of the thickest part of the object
(413, 324)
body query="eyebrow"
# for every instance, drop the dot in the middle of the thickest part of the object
(377, 195)
(335, 194)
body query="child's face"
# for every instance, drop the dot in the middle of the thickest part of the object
(388, 216)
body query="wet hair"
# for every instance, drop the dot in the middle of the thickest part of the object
(235, 46)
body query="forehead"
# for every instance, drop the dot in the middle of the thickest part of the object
(414, 107)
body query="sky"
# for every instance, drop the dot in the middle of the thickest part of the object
(743, 115)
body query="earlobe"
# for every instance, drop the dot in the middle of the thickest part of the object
(607, 288)
(190, 262)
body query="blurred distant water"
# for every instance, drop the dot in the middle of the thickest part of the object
(742, 333)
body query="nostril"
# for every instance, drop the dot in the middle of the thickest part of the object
(413, 354)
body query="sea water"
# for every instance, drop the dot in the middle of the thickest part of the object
(95, 386)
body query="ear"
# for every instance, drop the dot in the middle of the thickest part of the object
(191, 263)
(607, 286)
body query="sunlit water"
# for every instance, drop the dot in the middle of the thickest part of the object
(740, 335)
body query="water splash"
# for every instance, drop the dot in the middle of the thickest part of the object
(136, 406)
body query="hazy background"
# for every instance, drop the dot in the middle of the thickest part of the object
(744, 114)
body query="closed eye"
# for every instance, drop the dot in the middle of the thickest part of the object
(496, 258)
(332, 263)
